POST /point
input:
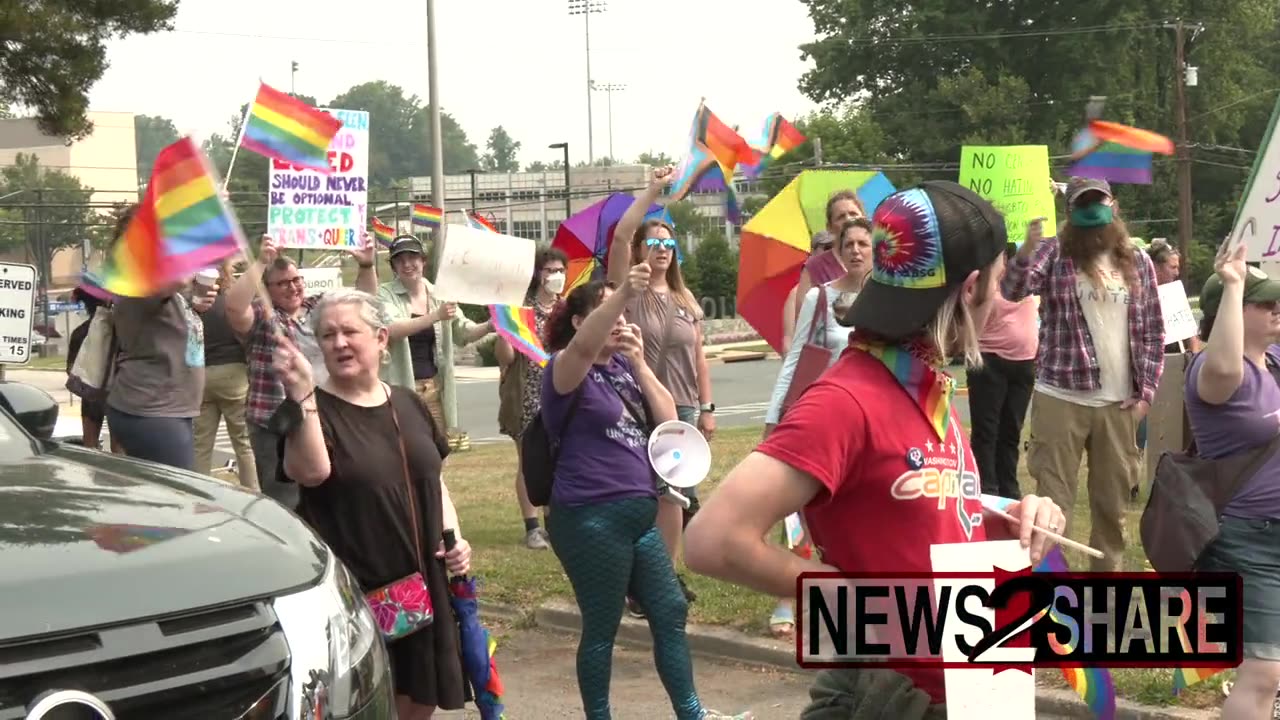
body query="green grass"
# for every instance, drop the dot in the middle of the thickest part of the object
(53, 362)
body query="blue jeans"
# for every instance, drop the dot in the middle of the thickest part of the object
(168, 441)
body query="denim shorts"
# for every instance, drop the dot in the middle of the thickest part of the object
(1251, 548)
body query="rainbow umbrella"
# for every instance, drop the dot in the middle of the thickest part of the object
(775, 243)
(476, 644)
(585, 237)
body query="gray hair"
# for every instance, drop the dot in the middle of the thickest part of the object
(372, 311)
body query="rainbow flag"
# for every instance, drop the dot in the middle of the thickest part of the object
(778, 138)
(1116, 153)
(516, 326)
(383, 232)
(715, 151)
(1094, 685)
(1184, 677)
(475, 220)
(92, 284)
(181, 226)
(427, 216)
(284, 128)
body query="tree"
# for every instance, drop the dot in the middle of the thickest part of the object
(503, 151)
(539, 166)
(659, 160)
(717, 273)
(151, 135)
(54, 51)
(61, 216)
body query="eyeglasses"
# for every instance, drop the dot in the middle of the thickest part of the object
(296, 281)
(668, 243)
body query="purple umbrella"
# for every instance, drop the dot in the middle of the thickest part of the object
(585, 237)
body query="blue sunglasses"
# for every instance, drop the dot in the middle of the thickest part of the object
(669, 243)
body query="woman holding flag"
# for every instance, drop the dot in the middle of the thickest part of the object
(520, 386)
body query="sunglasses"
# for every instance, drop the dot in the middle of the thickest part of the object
(668, 243)
(1268, 305)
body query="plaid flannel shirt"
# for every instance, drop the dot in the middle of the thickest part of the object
(1066, 357)
(266, 392)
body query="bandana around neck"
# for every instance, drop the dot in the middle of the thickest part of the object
(917, 365)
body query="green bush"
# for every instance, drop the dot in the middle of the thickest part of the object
(487, 351)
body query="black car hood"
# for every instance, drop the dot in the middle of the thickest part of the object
(89, 539)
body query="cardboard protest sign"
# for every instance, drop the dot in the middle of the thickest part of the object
(1016, 180)
(314, 211)
(1179, 322)
(1258, 219)
(481, 267)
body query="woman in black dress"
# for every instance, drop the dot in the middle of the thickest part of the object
(346, 453)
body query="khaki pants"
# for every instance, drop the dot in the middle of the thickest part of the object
(1061, 432)
(225, 390)
(429, 391)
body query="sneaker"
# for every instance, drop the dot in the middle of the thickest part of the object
(713, 715)
(689, 596)
(634, 609)
(537, 539)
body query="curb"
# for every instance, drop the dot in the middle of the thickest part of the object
(717, 643)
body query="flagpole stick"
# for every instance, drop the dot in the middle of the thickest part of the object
(235, 149)
(1049, 534)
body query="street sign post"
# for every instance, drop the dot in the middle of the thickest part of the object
(17, 312)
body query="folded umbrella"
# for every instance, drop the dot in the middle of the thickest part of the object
(476, 644)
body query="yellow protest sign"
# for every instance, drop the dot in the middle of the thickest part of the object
(1015, 178)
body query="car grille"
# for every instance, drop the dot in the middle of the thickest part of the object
(231, 662)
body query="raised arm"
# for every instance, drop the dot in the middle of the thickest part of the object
(306, 458)
(365, 255)
(1222, 371)
(1025, 275)
(575, 360)
(239, 304)
(620, 249)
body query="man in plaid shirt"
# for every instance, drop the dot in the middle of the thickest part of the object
(1099, 361)
(248, 318)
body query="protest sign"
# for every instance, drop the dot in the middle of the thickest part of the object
(318, 280)
(314, 211)
(1179, 322)
(983, 693)
(1016, 180)
(1258, 220)
(482, 267)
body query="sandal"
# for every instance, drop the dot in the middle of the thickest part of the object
(782, 622)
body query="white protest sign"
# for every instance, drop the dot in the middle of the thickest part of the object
(320, 280)
(1258, 220)
(310, 210)
(17, 312)
(1179, 321)
(481, 267)
(980, 694)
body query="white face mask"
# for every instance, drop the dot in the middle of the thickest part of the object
(554, 283)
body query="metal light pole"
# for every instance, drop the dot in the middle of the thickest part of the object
(609, 89)
(568, 207)
(293, 77)
(448, 393)
(585, 8)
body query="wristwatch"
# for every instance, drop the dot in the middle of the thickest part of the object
(709, 408)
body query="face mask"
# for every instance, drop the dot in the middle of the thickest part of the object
(554, 283)
(1091, 216)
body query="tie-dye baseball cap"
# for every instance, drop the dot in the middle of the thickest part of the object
(926, 242)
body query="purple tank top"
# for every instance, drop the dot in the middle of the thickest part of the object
(1251, 418)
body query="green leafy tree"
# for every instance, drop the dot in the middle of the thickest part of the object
(540, 166)
(717, 273)
(151, 135)
(54, 51)
(503, 152)
(62, 216)
(659, 160)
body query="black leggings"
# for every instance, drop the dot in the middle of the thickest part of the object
(168, 441)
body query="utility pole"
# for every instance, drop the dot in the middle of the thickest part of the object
(585, 8)
(1183, 145)
(448, 393)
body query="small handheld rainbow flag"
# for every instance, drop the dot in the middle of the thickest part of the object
(427, 216)
(1116, 153)
(778, 138)
(383, 232)
(285, 128)
(181, 226)
(516, 326)
(475, 220)
(1185, 677)
(1092, 684)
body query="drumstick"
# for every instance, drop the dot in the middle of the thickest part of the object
(1049, 533)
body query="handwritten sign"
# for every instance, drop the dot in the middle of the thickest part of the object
(981, 693)
(1179, 322)
(311, 210)
(1258, 220)
(1016, 180)
(482, 267)
(318, 280)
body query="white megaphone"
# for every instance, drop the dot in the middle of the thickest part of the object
(680, 456)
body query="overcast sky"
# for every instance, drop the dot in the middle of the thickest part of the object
(515, 63)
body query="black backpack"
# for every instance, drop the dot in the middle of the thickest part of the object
(538, 454)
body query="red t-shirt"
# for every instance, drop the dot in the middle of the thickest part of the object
(891, 489)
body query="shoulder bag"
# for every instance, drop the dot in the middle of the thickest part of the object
(404, 607)
(814, 358)
(91, 370)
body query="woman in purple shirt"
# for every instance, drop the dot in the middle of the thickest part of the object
(596, 392)
(1233, 403)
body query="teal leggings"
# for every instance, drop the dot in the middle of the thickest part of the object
(609, 549)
